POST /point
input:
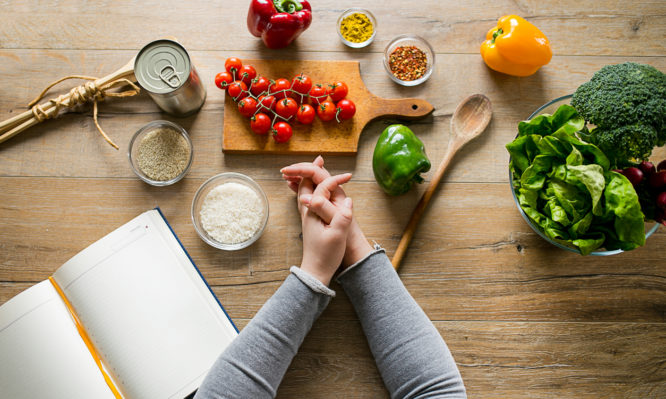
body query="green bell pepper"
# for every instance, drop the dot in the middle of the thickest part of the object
(398, 160)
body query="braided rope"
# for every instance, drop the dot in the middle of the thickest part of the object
(81, 95)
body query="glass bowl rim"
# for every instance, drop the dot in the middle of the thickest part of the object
(250, 182)
(537, 230)
(365, 12)
(143, 129)
(431, 60)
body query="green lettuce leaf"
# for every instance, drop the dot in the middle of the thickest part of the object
(564, 119)
(564, 186)
(622, 201)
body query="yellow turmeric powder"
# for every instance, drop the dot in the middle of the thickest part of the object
(356, 28)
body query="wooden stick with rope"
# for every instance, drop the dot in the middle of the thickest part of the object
(95, 90)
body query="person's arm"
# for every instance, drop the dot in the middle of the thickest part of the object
(411, 356)
(255, 362)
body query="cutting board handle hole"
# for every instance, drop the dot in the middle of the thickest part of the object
(415, 107)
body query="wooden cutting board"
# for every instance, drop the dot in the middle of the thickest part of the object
(320, 137)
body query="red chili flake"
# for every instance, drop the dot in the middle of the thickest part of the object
(408, 62)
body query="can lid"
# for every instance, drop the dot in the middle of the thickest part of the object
(162, 66)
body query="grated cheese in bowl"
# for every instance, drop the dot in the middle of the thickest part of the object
(230, 211)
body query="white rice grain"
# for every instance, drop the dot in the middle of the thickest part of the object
(231, 213)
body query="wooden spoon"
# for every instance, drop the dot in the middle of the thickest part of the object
(469, 120)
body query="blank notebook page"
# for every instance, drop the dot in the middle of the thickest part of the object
(42, 354)
(147, 311)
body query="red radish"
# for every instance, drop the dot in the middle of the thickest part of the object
(661, 201)
(634, 175)
(660, 216)
(647, 168)
(658, 180)
(662, 165)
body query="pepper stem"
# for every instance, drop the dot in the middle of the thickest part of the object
(288, 6)
(497, 33)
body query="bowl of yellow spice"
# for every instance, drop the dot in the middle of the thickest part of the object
(357, 27)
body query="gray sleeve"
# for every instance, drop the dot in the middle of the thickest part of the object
(254, 364)
(411, 356)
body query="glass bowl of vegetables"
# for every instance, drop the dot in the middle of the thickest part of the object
(549, 214)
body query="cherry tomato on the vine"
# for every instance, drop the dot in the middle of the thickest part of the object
(233, 66)
(282, 132)
(337, 91)
(237, 90)
(345, 109)
(247, 73)
(326, 111)
(318, 94)
(223, 79)
(247, 106)
(259, 85)
(268, 101)
(260, 123)
(286, 108)
(305, 114)
(280, 88)
(301, 84)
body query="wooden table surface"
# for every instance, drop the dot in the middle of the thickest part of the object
(521, 317)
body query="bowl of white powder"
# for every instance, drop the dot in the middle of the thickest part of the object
(230, 211)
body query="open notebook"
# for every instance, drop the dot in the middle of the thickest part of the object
(144, 310)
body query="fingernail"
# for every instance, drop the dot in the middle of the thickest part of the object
(305, 199)
(348, 202)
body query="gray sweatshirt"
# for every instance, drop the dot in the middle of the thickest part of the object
(411, 356)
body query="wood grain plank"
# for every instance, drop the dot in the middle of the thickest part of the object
(522, 318)
(608, 28)
(498, 360)
(71, 146)
(459, 266)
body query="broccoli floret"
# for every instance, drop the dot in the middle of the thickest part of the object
(627, 103)
(625, 142)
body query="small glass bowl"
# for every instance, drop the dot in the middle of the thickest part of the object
(365, 12)
(550, 108)
(410, 40)
(133, 151)
(202, 192)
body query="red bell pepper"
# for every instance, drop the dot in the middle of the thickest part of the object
(278, 22)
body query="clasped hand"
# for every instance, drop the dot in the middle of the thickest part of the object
(331, 236)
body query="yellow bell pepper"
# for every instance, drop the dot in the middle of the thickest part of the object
(515, 47)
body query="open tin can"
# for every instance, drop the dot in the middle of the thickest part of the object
(164, 69)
